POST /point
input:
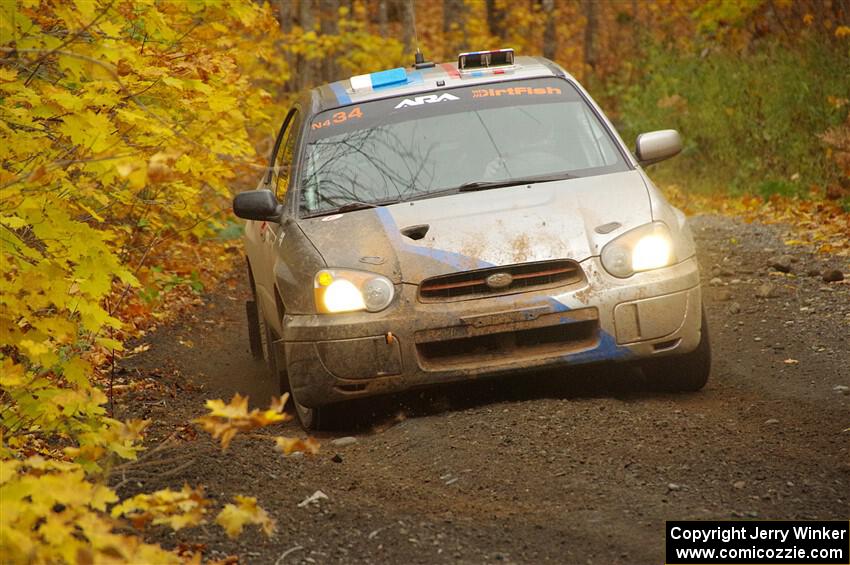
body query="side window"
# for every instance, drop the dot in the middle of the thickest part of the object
(283, 163)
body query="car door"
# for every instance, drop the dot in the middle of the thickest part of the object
(264, 237)
(271, 233)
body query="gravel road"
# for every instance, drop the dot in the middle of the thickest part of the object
(575, 466)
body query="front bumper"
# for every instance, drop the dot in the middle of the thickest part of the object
(331, 358)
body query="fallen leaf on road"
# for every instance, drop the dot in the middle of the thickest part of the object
(234, 517)
(289, 445)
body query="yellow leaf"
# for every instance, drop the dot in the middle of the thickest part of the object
(8, 74)
(173, 82)
(289, 445)
(234, 517)
(91, 131)
(113, 29)
(177, 509)
(109, 343)
(225, 420)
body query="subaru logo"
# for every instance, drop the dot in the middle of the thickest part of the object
(498, 281)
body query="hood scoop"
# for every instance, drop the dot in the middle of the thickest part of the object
(608, 228)
(415, 232)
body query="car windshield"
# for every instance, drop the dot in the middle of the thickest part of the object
(406, 148)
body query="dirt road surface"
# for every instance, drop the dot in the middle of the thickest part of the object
(575, 466)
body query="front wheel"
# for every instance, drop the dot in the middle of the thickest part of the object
(255, 340)
(276, 366)
(682, 373)
(310, 418)
(328, 417)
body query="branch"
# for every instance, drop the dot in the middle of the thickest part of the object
(114, 74)
(68, 40)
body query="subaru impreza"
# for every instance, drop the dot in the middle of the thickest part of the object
(454, 221)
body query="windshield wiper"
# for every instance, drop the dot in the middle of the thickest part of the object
(465, 187)
(484, 185)
(353, 206)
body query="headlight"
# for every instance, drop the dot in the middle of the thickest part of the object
(338, 290)
(641, 249)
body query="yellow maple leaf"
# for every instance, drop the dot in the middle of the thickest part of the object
(289, 445)
(8, 74)
(224, 421)
(177, 509)
(234, 517)
(89, 130)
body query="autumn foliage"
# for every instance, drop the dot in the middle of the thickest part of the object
(125, 126)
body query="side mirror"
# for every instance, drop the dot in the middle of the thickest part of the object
(656, 146)
(260, 205)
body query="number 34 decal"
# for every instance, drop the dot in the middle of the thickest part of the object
(338, 118)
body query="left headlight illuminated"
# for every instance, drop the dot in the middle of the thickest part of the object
(342, 290)
(641, 249)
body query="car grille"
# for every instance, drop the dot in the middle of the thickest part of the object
(549, 335)
(473, 284)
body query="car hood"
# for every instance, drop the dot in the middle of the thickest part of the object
(473, 230)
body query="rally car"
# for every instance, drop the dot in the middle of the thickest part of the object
(453, 221)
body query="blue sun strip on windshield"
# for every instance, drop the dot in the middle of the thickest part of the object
(341, 95)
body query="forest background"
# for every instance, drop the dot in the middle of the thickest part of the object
(127, 126)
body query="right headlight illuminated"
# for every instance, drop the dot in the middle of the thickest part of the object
(641, 249)
(343, 290)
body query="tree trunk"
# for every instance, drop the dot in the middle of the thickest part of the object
(550, 32)
(590, 33)
(820, 16)
(305, 66)
(408, 33)
(306, 17)
(330, 26)
(382, 18)
(284, 15)
(284, 18)
(496, 19)
(454, 26)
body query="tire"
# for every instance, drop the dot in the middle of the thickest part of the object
(255, 342)
(269, 353)
(682, 373)
(309, 418)
(329, 417)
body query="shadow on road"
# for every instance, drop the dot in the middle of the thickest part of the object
(623, 382)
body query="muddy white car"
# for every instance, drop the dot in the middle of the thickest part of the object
(450, 222)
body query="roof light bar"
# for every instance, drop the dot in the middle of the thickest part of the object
(361, 82)
(485, 59)
(391, 77)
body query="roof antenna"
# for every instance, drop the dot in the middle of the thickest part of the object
(419, 61)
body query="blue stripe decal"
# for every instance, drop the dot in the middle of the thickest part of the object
(341, 95)
(414, 77)
(606, 350)
(451, 259)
